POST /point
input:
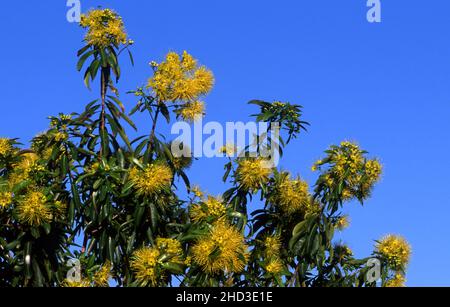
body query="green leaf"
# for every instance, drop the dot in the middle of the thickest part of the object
(118, 102)
(94, 68)
(87, 76)
(104, 140)
(82, 50)
(38, 278)
(131, 57)
(174, 268)
(138, 214)
(154, 216)
(83, 59)
(165, 113)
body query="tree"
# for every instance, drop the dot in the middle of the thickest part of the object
(84, 180)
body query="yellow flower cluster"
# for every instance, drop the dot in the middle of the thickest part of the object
(272, 251)
(223, 249)
(172, 248)
(292, 196)
(105, 27)
(33, 209)
(348, 164)
(182, 163)
(395, 249)
(82, 283)
(146, 262)
(373, 170)
(252, 172)
(398, 281)
(275, 266)
(348, 158)
(196, 190)
(181, 79)
(61, 136)
(212, 207)
(192, 111)
(22, 170)
(5, 146)
(6, 199)
(101, 277)
(342, 223)
(272, 246)
(154, 179)
(279, 104)
(342, 251)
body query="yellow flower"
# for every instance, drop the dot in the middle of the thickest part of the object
(313, 207)
(223, 249)
(291, 196)
(275, 266)
(272, 245)
(61, 136)
(147, 262)
(188, 63)
(105, 27)
(6, 199)
(22, 170)
(5, 146)
(373, 170)
(102, 276)
(193, 111)
(154, 179)
(182, 156)
(328, 180)
(348, 158)
(144, 264)
(82, 283)
(342, 250)
(204, 81)
(211, 207)
(230, 150)
(279, 104)
(395, 249)
(316, 165)
(188, 261)
(60, 208)
(252, 172)
(197, 191)
(181, 79)
(347, 163)
(171, 248)
(347, 194)
(33, 209)
(398, 281)
(342, 223)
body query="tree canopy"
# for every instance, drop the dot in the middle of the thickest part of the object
(84, 190)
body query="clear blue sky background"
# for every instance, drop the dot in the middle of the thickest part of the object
(384, 85)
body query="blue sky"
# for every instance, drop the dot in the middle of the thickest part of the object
(383, 85)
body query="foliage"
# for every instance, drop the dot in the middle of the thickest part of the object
(84, 180)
